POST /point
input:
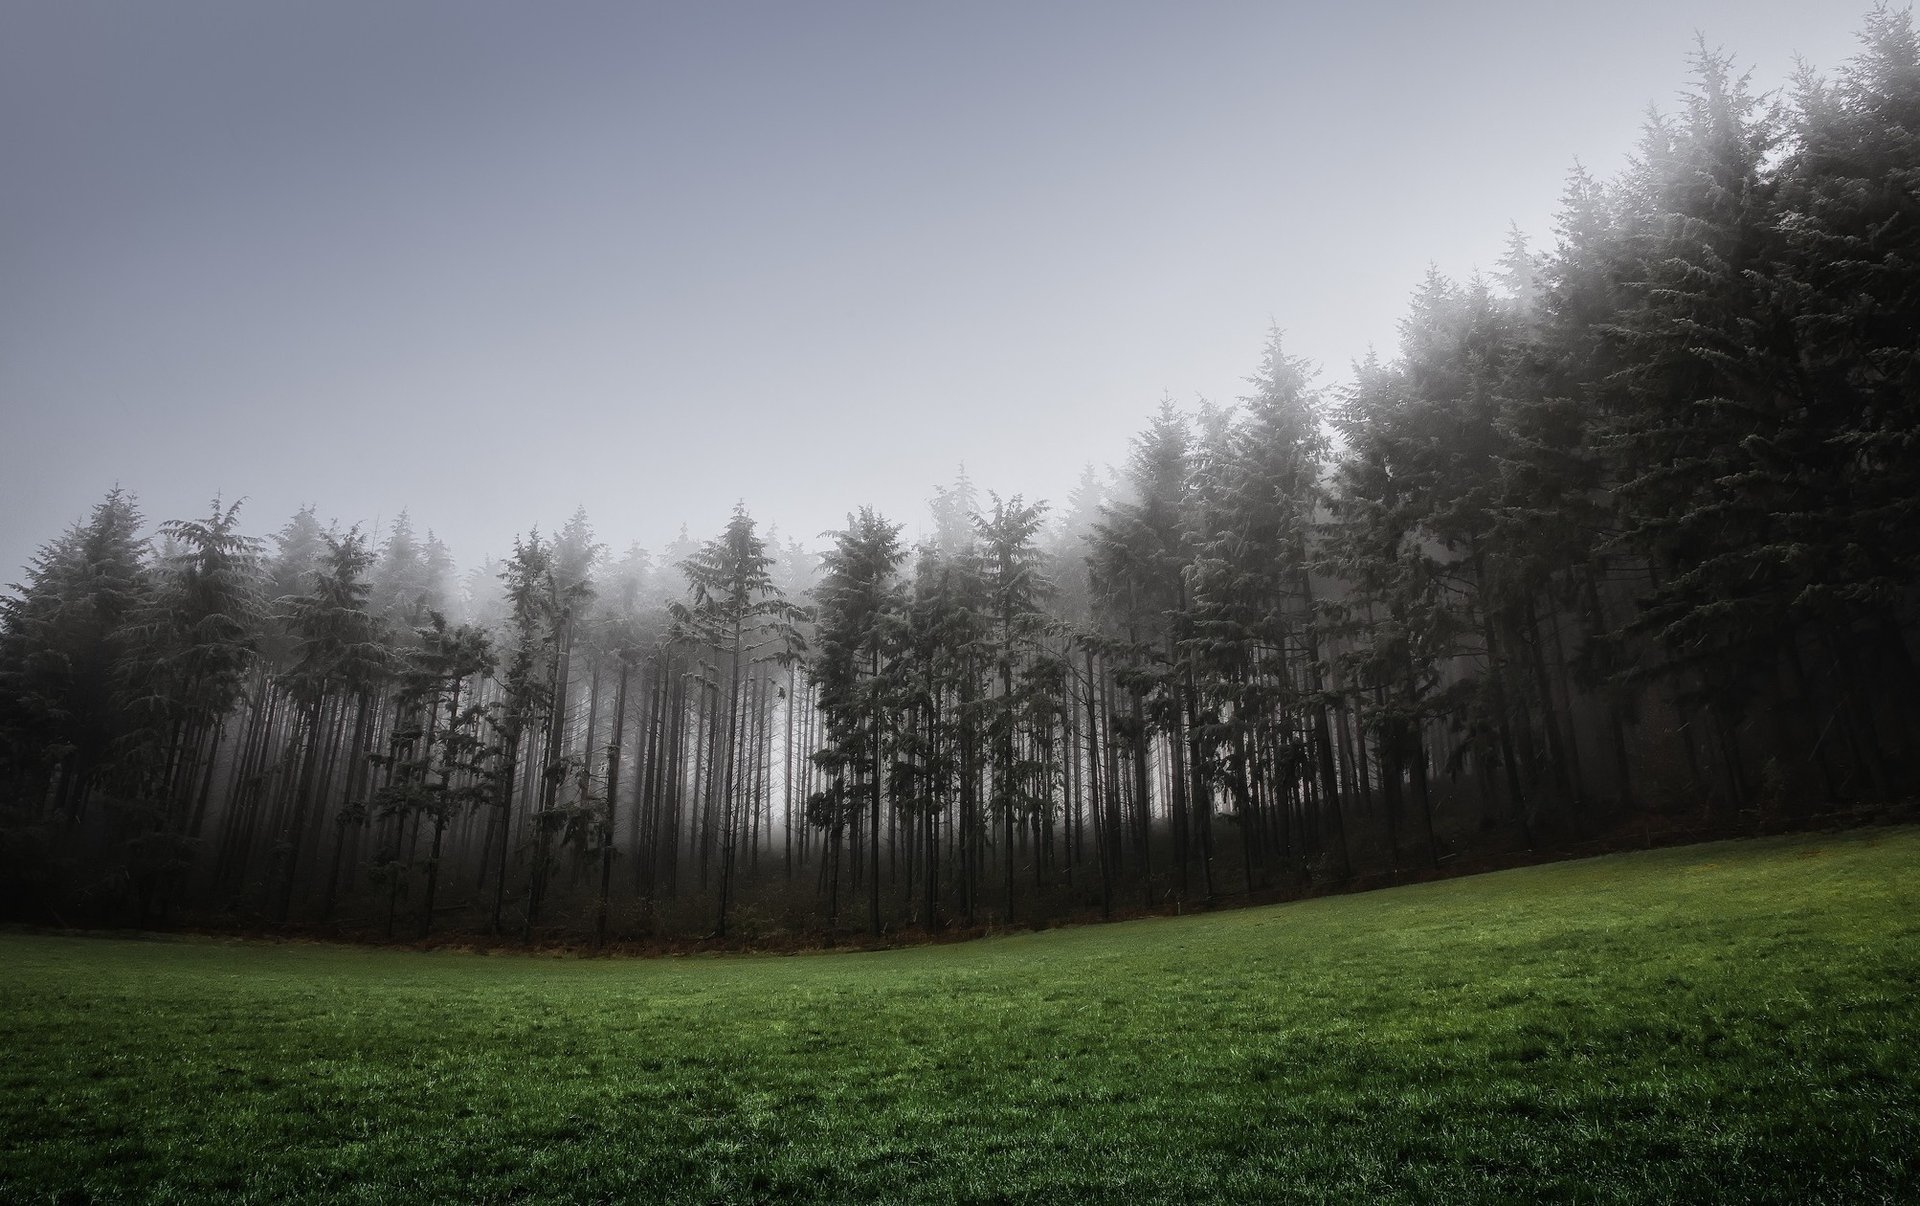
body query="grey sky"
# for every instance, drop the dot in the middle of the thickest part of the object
(488, 261)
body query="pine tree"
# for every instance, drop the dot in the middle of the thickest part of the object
(1720, 466)
(735, 612)
(527, 694)
(442, 764)
(400, 590)
(63, 647)
(192, 643)
(1850, 188)
(1141, 554)
(1254, 652)
(343, 657)
(857, 613)
(1017, 593)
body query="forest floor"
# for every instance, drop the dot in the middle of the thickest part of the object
(1737, 1021)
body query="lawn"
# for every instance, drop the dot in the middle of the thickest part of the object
(1730, 1022)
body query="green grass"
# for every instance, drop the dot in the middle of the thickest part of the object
(1732, 1022)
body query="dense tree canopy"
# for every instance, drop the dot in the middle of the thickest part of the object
(1624, 535)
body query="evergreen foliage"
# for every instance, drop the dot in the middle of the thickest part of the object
(1623, 537)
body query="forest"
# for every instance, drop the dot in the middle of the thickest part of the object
(1622, 540)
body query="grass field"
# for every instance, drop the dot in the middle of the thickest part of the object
(1732, 1022)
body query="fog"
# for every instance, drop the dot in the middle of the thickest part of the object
(490, 262)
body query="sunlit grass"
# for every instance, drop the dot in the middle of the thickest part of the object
(1732, 1022)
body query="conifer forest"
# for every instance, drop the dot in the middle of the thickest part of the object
(1621, 541)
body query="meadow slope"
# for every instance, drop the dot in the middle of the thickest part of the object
(1730, 1022)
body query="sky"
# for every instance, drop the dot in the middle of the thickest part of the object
(489, 262)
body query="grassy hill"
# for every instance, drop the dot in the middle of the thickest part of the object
(1733, 1022)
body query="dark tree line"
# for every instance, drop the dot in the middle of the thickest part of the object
(1624, 535)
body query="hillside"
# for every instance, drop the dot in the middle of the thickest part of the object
(1729, 1022)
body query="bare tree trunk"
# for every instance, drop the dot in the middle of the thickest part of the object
(727, 819)
(613, 795)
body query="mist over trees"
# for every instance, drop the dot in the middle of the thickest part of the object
(1623, 537)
